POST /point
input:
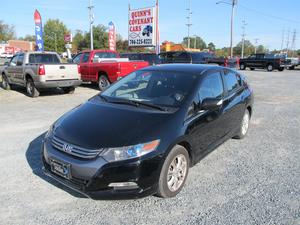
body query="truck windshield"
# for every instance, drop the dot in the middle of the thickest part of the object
(44, 58)
(162, 88)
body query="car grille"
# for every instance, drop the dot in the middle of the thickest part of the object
(74, 150)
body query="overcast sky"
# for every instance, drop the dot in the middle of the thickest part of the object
(266, 19)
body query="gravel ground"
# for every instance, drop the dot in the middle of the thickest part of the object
(253, 181)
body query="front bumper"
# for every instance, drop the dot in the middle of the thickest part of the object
(92, 177)
(58, 83)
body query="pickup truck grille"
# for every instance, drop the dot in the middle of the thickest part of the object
(77, 151)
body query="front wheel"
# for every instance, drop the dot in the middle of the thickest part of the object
(270, 67)
(31, 89)
(280, 69)
(243, 126)
(5, 84)
(242, 66)
(69, 90)
(174, 172)
(103, 82)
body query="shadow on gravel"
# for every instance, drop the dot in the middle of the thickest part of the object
(33, 157)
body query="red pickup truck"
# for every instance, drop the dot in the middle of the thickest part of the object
(105, 66)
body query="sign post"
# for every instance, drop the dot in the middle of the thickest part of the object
(38, 31)
(68, 40)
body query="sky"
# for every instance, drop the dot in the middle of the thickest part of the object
(265, 19)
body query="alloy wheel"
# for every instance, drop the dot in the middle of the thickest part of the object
(177, 172)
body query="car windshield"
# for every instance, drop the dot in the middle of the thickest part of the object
(160, 88)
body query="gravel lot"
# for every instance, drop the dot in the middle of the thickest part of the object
(253, 181)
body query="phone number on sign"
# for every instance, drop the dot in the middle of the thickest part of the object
(140, 42)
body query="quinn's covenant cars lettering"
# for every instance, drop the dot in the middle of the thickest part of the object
(142, 134)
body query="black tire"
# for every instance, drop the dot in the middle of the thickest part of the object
(291, 67)
(69, 90)
(103, 82)
(242, 133)
(31, 89)
(4, 83)
(242, 66)
(163, 187)
(270, 67)
(252, 68)
(280, 69)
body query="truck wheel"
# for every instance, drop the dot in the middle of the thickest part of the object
(174, 172)
(242, 66)
(270, 67)
(252, 68)
(103, 82)
(31, 89)
(291, 67)
(68, 90)
(4, 82)
(280, 69)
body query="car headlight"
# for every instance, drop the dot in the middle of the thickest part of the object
(129, 152)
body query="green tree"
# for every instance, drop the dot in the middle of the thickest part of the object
(223, 52)
(79, 42)
(200, 44)
(7, 32)
(100, 35)
(248, 48)
(298, 52)
(211, 46)
(54, 31)
(261, 49)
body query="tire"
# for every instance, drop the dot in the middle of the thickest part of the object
(31, 89)
(242, 66)
(4, 83)
(280, 69)
(103, 82)
(270, 67)
(69, 90)
(291, 67)
(244, 126)
(166, 190)
(252, 68)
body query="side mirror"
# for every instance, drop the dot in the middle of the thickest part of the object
(211, 104)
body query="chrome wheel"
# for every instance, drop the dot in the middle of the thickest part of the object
(177, 172)
(245, 123)
(103, 82)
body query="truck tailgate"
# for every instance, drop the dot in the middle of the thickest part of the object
(61, 72)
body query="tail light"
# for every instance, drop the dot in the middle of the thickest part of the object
(79, 69)
(42, 69)
(119, 69)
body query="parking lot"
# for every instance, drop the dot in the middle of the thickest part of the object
(251, 181)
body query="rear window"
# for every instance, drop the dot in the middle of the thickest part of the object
(44, 58)
(232, 80)
(105, 55)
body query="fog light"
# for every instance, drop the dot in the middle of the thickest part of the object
(123, 185)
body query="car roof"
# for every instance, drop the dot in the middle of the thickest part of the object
(183, 67)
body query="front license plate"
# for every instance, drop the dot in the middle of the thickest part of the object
(61, 169)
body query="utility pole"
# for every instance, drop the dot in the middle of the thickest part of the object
(91, 17)
(256, 39)
(189, 24)
(243, 36)
(293, 42)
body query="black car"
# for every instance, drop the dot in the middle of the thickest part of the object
(141, 135)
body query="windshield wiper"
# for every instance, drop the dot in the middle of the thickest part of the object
(137, 104)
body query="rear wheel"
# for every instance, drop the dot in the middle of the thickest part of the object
(68, 90)
(103, 82)
(242, 66)
(270, 67)
(291, 67)
(31, 89)
(4, 83)
(252, 68)
(174, 172)
(243, 126)
(280, 69)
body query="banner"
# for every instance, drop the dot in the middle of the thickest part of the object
(142, 27)
(112, 36)
(38, 31)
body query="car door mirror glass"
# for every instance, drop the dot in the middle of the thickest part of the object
(211, 104)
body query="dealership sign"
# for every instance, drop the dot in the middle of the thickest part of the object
(112, 36)
(68, 38)
(142, 27)
(38, 31)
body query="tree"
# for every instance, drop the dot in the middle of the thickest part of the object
(261, 49)
(100, 35)
(248, 48)
(7, 32)
(298, 52)
(200, 44)
(79, 43)
(211, 46)
(28, 37)
(54, 31)
(223, 52)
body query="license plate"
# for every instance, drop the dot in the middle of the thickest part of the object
(60, 168)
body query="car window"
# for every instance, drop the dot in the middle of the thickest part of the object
(77, 58)
(105, 55)
(232, 80)
(20, 59)
(252, 57)
(211, 86)
(13, 61)
(44, 58)
(85, 57)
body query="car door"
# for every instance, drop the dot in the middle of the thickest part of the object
(233, 102)
(251, 61)
(11, 69)
(19, 76)
(85, 67)
(207, 126)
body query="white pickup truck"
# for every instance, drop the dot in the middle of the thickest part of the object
(38, 71)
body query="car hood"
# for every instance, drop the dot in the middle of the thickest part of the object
(97, 124)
